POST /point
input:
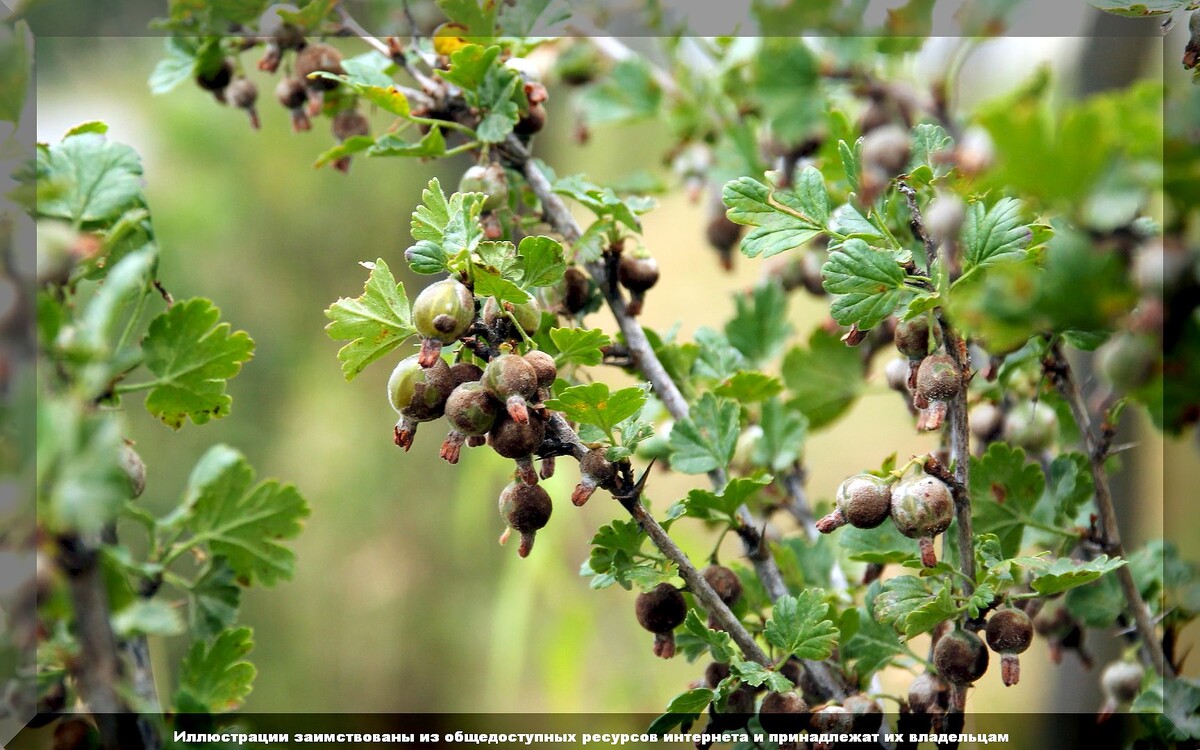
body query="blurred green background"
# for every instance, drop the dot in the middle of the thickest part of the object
(403, 601)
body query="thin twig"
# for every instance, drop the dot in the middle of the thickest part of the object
(1060, 372)
(917, 224)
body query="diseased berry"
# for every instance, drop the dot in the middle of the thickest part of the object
(514, 382)
(661, 610)
(944, 217)
(723, 235)
(887, 148)
(739, 708)
(292, 94)
(1009, 632)
(243, 94)
(441, 313)
(595, 471)
(938, 382)
(1031, 425)
(577, 291)
(1120, 682)
(1128, 360)
(489, 180)
(526, 509)
(347, 124)
(528, 316)
(866, 713)
(531, 121)
(519, 441)
(418, 394)
(638, 275)
(913, 337)
(547, 372)
(830, 720)
(896, 373)
(724, 582)
(793, 669)
(714, 673)
(318, 58)
(864, 501)
(960, 657)
(783, 713)
(922, 508)
(216, 79)
(985, 419)
(578, 64)
(471, 411)
(928, 694)
(134, 468)
(465, 372)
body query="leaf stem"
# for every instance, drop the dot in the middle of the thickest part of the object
(134, 387)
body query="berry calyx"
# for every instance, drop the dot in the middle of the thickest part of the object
(514, 382)
(1009, 632)
(724, 582)
(1120, 682)
(526, 509)
(960, 657)
(489, 180)
(922, 508)
(864, 501)
(661, 610)
(292, 94)
(519, 441)
(243, 94)
(913, 337)
(441, 313)
(595, 471)
(418, 394)
(471, 411)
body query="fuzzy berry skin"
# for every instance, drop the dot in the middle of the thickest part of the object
(864, 501)
(1031, 425)
(661, 610)
(714, 673)
(441, 313)
(960, 657)
(577, 291)
(471, 412)
(543, 365)
(465, 372)
(938, 379)
(489, 180)
(217, 79)
(418, 394)
(519, 441)
(887, 149)
(637, 274)
(528, 316)
(912, 337)
(928, 694)
(1009, 632)
(724, 582)
(922, 508)
(868, 716)
(595, 470)
(512, 381)
(349, 123)
(319, 58)
(526, 509)
(292, 94)
(243, 94)
(783, 713)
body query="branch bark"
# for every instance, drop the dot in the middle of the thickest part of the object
(1060, 371)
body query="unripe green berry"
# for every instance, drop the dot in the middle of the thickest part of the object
(513, 382)
(443, 311)
(1031, 425)
(922, 508)
(419, 393)
(527, 314)
(1128, 360)
(489, 180)
(661, 610)
(724, 582)
(526, 509)
(912, 337)
(864, 501)
(960, 657)
(1009, 632)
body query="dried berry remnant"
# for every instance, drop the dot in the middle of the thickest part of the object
(864, 501)
(960, 657)
(418, 394)
(489, 180)
(442, 312)
(1031, 425)
(922, 508)
(514, 382)
(724, 582)
(783, 713)
(519, 441)
(471, 411)
(1009, 632)
(913, 337)
(526, 509)
(638, 275)
(243, 94)
(1120, 682)
(292, 94)
(595, 471)
(661, 610)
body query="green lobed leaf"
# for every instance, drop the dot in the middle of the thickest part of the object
(352, 145)
(77, 465)
(784, 431)
(1052, 577)
(176, 66)
(749, 386)
(147, 617)
(245, 524)
(754, 674)
(849, 157)
(604, 202)
(1097, 604)
(914, 605)
(1070, 486)
(489, 284)
(217, 678)
(94, 179)
(707, 439)
(1004, 489)
(775, 230)
(1173, 708)
(541, 260)
(1142, 9)
(427, 258)
(759, 327)
(722, 507)
(716, 358)
(994, 235)
(812, 196)
(629, 93)
(579, 346)
(881, 545)
(799, 627)
(375, 323)
(866, 644)
(691, 702)
(719, 643)
(825, 379)
(213, 600)
(431, 146)
(594, 404)
(869, 284)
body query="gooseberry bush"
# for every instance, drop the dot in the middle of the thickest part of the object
(980, 260)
